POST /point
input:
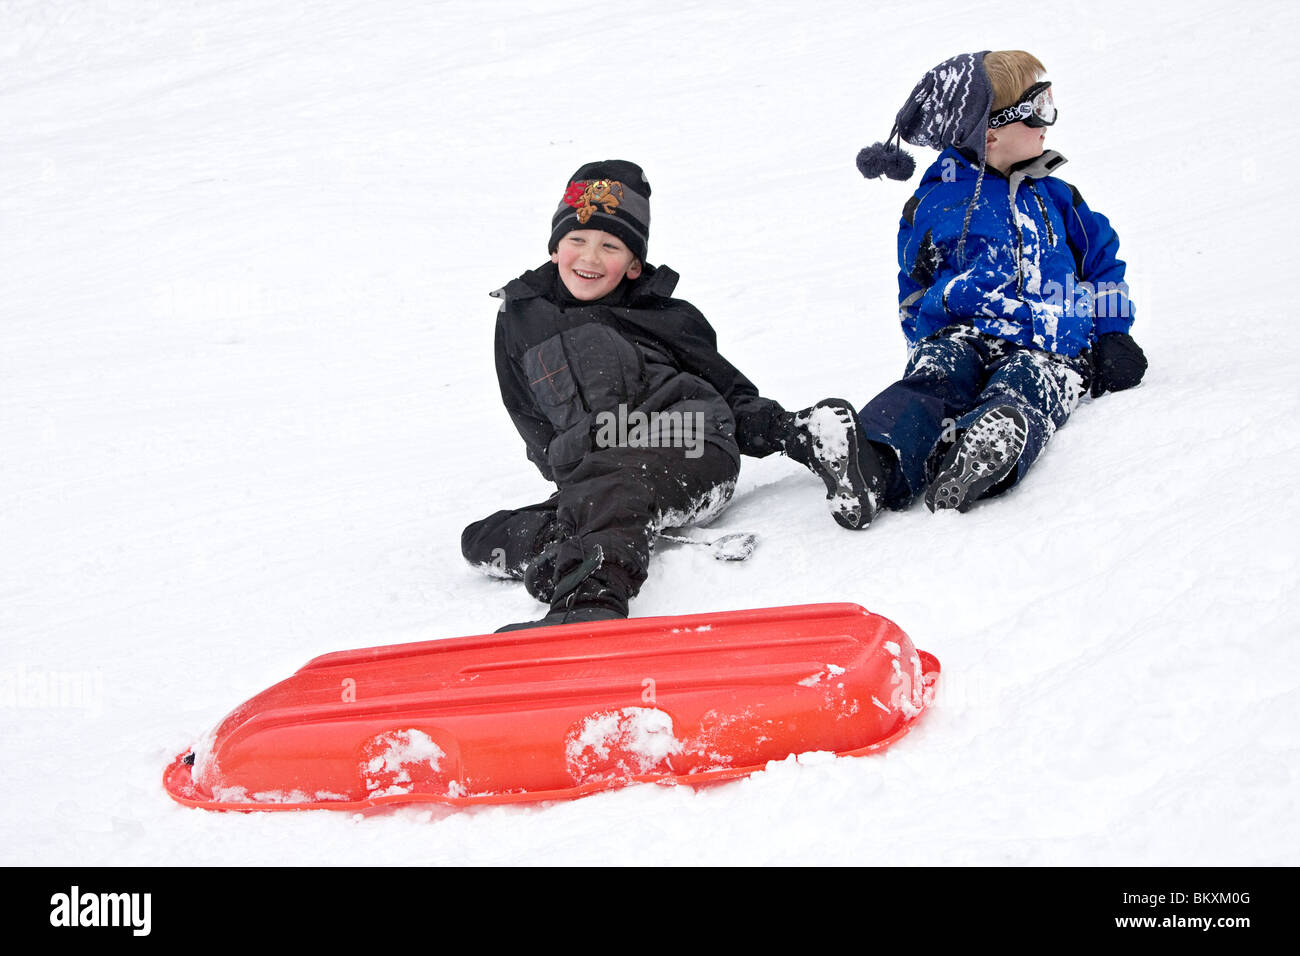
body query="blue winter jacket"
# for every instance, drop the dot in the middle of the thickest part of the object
(1033, 264)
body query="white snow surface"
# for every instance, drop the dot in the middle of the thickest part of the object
(248, 403)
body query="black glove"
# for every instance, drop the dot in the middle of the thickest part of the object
(1117, 363)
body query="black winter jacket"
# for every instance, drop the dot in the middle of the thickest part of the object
(561, 362)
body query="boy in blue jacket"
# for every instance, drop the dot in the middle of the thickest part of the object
(1011, 295)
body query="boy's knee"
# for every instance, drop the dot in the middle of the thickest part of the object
(471, 541)
(952, 359)
(505, 535)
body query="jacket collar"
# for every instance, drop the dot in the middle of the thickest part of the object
(1040, 167)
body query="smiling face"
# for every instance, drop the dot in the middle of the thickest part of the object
(592, 263)
(1013, 143)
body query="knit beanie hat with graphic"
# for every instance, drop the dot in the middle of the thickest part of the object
(612, 195)
(949, 107)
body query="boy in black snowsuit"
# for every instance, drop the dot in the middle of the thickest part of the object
(624, 401)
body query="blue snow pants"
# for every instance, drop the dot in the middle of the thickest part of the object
(953, 377)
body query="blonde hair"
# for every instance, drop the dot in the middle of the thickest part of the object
(1012, 72)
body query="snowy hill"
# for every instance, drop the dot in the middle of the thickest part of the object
(247, 404)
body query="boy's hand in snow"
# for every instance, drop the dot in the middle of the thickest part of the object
(1117, 362)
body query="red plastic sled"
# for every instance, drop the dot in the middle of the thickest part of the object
(560, 712)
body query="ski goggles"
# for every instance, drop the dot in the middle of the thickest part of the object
(1034, 108)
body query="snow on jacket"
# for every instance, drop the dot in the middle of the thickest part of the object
(561, 363)
(1033, 264)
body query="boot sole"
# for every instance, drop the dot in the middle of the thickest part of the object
(984, 456)
(853, 502)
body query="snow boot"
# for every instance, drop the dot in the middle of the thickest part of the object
(828, 440)
(580, 597)
(979, 462)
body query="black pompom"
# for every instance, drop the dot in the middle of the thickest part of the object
(885, 159)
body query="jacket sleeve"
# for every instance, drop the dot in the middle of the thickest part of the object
(693, 341)
(918, 260)
(535, 429)
(934, 290)
(1096, 252)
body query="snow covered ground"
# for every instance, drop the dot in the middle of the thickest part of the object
(247, 403)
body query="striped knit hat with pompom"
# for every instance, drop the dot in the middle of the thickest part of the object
(949, 107)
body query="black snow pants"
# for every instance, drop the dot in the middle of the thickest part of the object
(616, 499)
